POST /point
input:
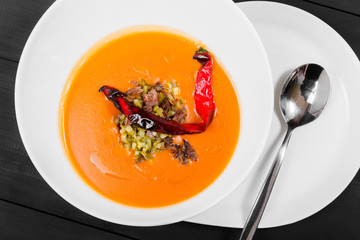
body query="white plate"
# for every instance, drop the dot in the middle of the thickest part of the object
(70, 27)
(323, 157)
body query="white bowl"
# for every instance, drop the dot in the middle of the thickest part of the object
(70, 27)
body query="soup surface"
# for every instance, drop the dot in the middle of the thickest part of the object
(91, 139)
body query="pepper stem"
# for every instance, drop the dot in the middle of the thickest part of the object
(202, 56)
(201, 50)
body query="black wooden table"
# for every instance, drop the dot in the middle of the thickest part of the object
(30, 209)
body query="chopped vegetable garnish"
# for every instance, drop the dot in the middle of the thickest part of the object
(146, 143)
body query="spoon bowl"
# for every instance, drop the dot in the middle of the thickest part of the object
(304, 96)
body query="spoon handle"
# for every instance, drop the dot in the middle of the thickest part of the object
(259, 206)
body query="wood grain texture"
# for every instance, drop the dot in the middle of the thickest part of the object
(349, 6)
(17, 19)
(17, 222)
(21, 184)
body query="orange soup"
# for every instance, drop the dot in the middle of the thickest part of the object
(91, 138)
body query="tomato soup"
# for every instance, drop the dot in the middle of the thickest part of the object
(91, 139)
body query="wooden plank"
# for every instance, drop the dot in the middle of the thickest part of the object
(17, 19)
(18, 222)
(20, 182)
(349, 6)
(329, 224)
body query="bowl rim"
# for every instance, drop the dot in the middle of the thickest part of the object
(175, 216)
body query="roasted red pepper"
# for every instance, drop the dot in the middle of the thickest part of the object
(204, 104)
(148, 120)
(204, 98)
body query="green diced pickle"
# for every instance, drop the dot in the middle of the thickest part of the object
(122, 131)
(132, 133)
(171, 113)
(138, 103)
(163, 135)
(124, 139)
(160, 145)
(143, 82)
(176, 91)
(157, 142)
(140, 144)
(158, 111)
(141, 132)
(129, 129)
(133, 146)
(145, 89)
(135, 138)
(161, 97)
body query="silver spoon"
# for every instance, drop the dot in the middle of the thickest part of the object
(304, 96)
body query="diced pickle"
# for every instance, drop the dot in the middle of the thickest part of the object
(157, 142)
(176, 91)
(160, 145)
(171, 113)
(145, 89)
(135, 138)
(138, 103)
(141, 132)
(143, 82)
(124, 139)
(140, 144)
(122, 131)
(158, 111)
(129, 129)
(163, 135)
(161, 97)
